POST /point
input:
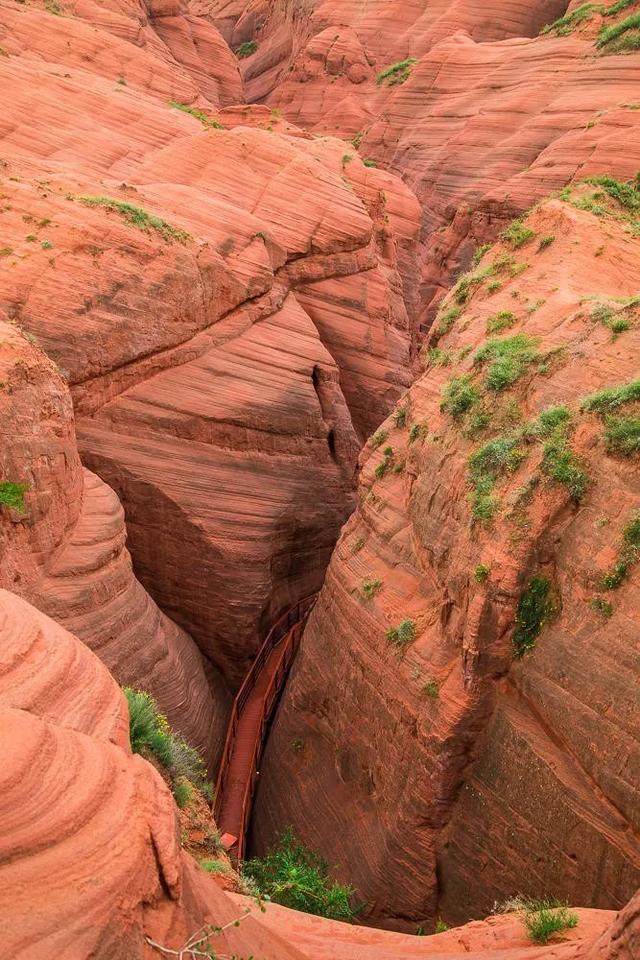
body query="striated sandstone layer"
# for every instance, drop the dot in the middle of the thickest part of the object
(449, 774)
(65, 551)
(229, 350)
(80, 813)
(319, 59)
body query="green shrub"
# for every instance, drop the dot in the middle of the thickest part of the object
(414, 432)
(517, 234)
(458, 396)
(12, 494)
(501, 321)
(381, 469)
(246, 49)
(625, 193)
(480, 252)
(296, 877)
(183, 792)
(152, 737)
(560, 464)
(622, 435)
(214, 866)
(544, 918)
(549, 422)
(137, 217)
(369, 588)
(602, 606)
(378, 438)
(616, 576)
(403, 634)
(565, 25)
(486, 465)
(507, 359)
(481, 573)
(609, 400)
(297, 744)
(200, 115)
(618, 7)
(631, 533)
(358, 545)
(368, 162)
(536, 608)
(441, 926)
(546, 241)
(622, 36)
(396, 73)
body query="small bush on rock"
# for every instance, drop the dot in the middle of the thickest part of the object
(296, 877)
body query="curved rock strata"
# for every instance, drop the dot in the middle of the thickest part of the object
(79, 812)
(449, 774)
(65, 550)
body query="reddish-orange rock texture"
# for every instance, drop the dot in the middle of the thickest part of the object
(91, 864)
(448, 774)
(207, 305)
(225, 362)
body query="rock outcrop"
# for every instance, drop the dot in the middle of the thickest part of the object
(231, 310)
(80, 813)
(64, 550)
(449, 774)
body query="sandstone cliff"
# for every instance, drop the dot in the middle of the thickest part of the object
(81, 814)
(448, 773)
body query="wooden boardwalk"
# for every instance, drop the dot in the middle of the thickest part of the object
(248, 727)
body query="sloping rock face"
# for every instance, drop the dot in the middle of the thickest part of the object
(80, 813)
(449, 772)
(319, 59)
(65, 550)
(91, 862)
(228, 350)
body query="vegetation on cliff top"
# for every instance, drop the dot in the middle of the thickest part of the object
(152, 737)
(137, 217)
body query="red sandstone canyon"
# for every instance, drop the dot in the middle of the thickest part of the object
(320, 413)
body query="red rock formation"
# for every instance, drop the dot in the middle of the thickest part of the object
(224, 362)
(90, 857)
(66, 551)
(450, 776)
(319, 58)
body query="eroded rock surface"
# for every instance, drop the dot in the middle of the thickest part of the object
(64, 550)
(230, 307)
(448, 773)
(80, 813)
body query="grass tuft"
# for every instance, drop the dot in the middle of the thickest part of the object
(458, 396)
(137, 217)
(246, 49)
(403, 634)
(397, 73)
(200, 115)
(517, 234)
(536, 608)
(152, 738)
(507, 359)
(12, 495)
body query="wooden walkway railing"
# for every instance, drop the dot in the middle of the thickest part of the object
(248, 725)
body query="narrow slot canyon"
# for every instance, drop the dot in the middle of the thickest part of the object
(319, 489)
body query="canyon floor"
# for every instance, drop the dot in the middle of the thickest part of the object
(321, 297)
